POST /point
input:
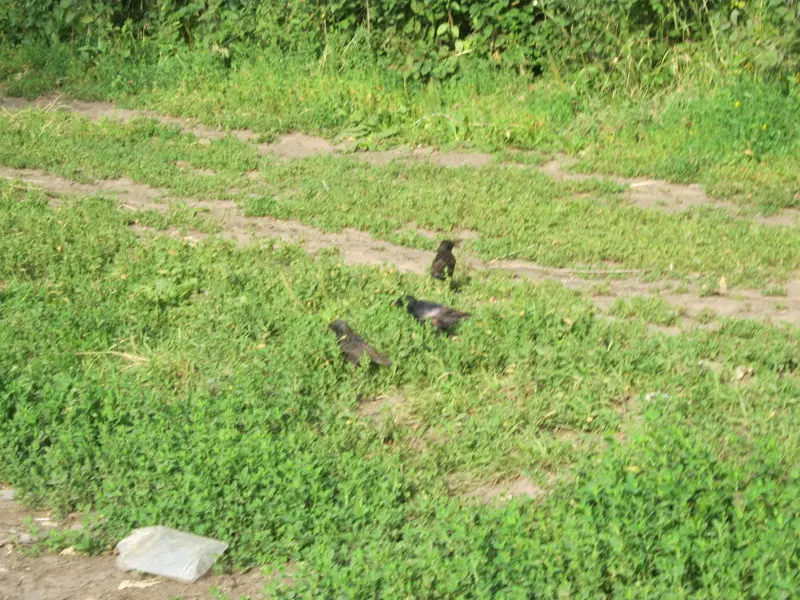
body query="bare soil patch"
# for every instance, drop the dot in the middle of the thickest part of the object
(665, 196)
(487, 493)
(455, 159)
(379, 408)
(394, 410)
(191, 237)
(132, 196)
(77, 577)
(300, 145)
(383, 157)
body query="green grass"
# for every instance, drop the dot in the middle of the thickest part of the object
(775, 291)
(738, 139)
(706, 316)
(735, 133)
(197, 387)
(651, 309)
(517, 213)
(147, 380)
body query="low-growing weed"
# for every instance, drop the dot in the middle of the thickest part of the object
(651, 309)
(705, 316)
(197, 387)
(518, 213)
(777, 290)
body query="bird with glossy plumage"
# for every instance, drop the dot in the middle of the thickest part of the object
(440, 316)
(444, 263)
(353, 345)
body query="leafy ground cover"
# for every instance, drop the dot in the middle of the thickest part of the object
(734, 132)
(196, 386)
(148, 379)
(519, 213)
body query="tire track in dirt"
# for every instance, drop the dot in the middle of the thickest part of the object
(649, 194)
(360, 248)
(289, 146)
(655, 194)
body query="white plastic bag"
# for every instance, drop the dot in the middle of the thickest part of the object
(168, 552)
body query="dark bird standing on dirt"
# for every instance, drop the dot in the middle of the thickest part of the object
(442, 317)
(353, 346)
(444, 263)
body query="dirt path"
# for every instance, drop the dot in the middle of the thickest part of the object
(75, 577)
(650, 194)
(668, 197)
(289, 146)
(359, 248)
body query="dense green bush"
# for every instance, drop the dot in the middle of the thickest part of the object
(429, 39)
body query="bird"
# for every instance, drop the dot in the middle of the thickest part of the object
(353, 345)
(444, 263)
(440, 316)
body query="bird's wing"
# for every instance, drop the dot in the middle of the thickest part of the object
(427, 310)
(443, 312)
(353, 346)
(447, 318)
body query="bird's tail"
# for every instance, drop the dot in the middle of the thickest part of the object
(380, 359)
